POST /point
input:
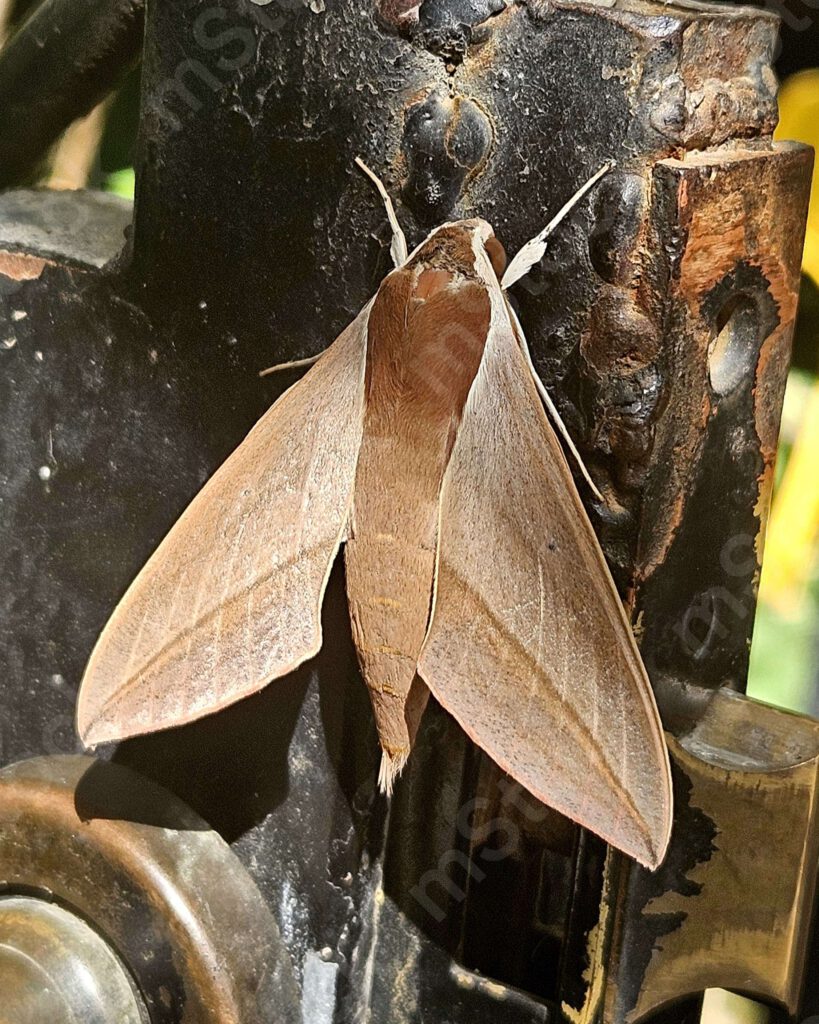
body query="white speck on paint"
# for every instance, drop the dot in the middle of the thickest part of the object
(9, 342)
(44, 472)
(38, 356)
(18, 314)
(287, 909)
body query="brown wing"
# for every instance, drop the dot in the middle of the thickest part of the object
(528, 645)
(232, 597)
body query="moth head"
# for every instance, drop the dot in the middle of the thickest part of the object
(462, 249)
(486, 245)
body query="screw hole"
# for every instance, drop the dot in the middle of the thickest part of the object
(732, 354)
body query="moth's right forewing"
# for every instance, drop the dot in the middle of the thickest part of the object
(232, 597)
(528, 645)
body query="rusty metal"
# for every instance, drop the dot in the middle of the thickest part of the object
(728, 232)
(163, 892)
(733, 905)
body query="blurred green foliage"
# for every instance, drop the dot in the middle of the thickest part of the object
(120, 182)
(785, 650)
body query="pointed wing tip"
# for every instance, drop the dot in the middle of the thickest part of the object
(96, 720)
(95, 729)
(92, 735)
(659, 844)
(103, 716)
(645, 842)
(652, 854)
(102, 726)
(653, 845)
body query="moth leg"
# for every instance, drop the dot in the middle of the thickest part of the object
(532, 252)
(294, 364)
(398, 246)
(551, 408)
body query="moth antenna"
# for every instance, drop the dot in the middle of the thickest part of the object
(294, 364)
(391, 768)
(398, 246)
(532, 252)
(552, 408)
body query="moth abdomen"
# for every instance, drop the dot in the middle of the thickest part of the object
(426, 338)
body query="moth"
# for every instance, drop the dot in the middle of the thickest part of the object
(419, 441)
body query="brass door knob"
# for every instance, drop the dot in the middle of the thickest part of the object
(119, 904)
(54, 967)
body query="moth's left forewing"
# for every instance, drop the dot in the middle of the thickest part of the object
(528, 645)
(231, 598)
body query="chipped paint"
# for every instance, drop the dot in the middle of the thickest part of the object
(596, 973)
(20, 266)
(467, 979)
